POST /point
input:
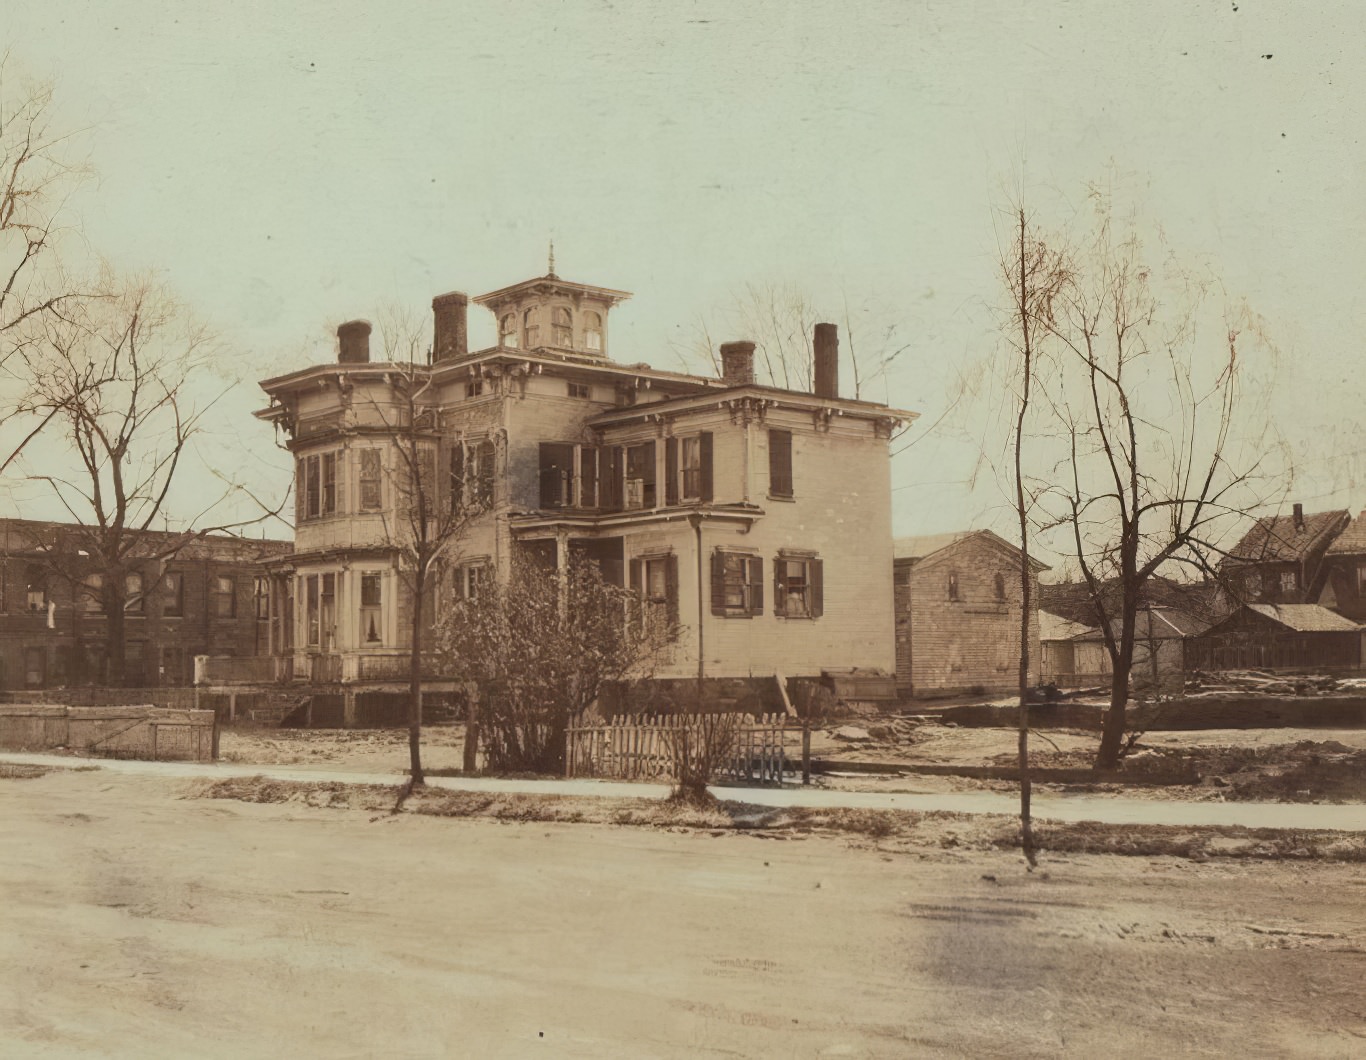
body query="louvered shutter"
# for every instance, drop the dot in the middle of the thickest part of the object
(487, 455)
(299, 490)
(755, 568)
(718, 583)
(343, 473)
(779, 586)
(588, 477)
(671, 471)
(780, 463)
(671, 588)
(618, 478)
(457, 477)
(705, 445)
(817, 588)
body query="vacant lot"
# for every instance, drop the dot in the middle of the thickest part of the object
(138, 922)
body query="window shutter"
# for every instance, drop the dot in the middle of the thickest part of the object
(588, 476)
(718, 583)
(756, 585)
(457, 477)
(780, 463)
(649, 469)
(618, 478)
(671, 471)
(705, 446)
(300, 488)
(779, 587)
(487, 455)
(817, 588)
(555, 467)
(635, 577)
(671, 588)
(341, 473)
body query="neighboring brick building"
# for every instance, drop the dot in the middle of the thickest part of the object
(208, 598)
(958, 613)
(760, 517)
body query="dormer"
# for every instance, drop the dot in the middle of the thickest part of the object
(553, 314)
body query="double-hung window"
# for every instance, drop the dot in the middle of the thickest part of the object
(655, 581)
(737, 584)
(371, 610)
(317, 485)
(798, 585)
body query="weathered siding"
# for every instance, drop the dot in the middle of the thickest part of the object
(972, 641)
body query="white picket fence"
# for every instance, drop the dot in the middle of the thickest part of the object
(648, 747)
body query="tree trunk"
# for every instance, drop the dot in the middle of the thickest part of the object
(415, 686)
(1022, 511)
(471, 760)
(1112, 729)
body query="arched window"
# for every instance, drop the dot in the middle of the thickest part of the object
(1000, 588)
(953, 585)
(507, 331)
(592, 332)
(563, 327)
(531, 329)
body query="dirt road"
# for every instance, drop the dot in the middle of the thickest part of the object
(139, 923)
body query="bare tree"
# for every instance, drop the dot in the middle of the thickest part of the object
(1034, 275)
(36, 175)
(111, 378)
(1164, 448)
(427, 518)
(780, 319)
(541, 647)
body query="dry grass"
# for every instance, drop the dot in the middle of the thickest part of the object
(891, 830)
(20, 771)
(1195, 843)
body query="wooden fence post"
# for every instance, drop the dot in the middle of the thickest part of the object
(806, 751)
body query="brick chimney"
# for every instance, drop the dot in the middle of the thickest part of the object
(353, 342)
(737, 363)
(450, 339)
(1299, 516)
(827, 343)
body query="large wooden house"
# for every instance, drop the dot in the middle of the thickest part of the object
(759, 517)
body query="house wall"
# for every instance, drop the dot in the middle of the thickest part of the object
(840, 511)
(972, 641)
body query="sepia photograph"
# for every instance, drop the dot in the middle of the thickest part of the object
(717, 529)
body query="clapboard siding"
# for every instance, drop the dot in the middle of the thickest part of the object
(970, 642)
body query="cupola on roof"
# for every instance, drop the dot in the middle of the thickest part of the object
(551, 313)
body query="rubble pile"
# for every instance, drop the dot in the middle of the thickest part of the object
(1259, 683)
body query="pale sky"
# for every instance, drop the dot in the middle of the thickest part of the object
(289, 166)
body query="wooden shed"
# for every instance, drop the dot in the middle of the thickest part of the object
(1278, 637)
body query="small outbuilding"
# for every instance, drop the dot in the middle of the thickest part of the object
(959, 613)
(1278, 637)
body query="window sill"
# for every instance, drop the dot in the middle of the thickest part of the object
(786, 498)
(734, 614)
